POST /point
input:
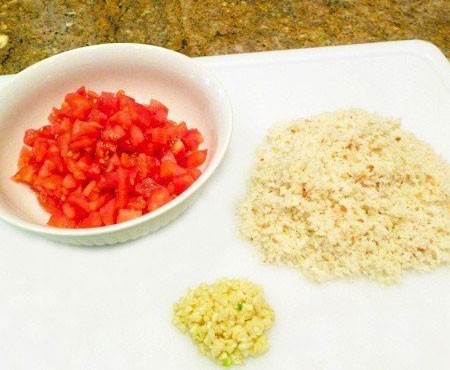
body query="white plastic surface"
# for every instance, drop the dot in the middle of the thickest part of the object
(107, 308)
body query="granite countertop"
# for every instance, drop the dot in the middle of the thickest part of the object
(31, 30)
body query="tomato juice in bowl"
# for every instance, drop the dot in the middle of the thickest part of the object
(144, 72)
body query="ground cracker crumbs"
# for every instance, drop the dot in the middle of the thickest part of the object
(348, 194)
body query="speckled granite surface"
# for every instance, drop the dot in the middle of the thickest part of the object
(31, 30)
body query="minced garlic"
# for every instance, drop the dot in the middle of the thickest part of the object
(227, 320)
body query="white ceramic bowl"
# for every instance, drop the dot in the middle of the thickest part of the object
(143, 71)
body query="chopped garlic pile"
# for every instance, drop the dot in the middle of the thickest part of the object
(227, 320)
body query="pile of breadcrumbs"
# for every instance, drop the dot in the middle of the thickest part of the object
(228, 320)
(348, 194)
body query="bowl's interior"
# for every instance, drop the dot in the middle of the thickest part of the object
(144, 72)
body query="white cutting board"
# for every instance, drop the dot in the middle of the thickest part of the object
(107, 308)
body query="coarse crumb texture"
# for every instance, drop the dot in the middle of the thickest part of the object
(227, 320)
(348, 194)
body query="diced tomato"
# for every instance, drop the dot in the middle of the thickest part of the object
(126, 160)
(158, 198)
(57, 160)
(40, 149)
(170, 187)
(59, 125)
(83, 143)
(69, 210)
(93, 220)
(114, 133)
(63, 142)
(98, 116)
(181, 159)
(89, 187)
(125, 101)
(51, 182)
(196, 158)
(109, 181)
(132, 173)
(81, 91)
(46, 132)
(55, 121)
(192, 139)
(94, 170)
(144, 116)
(76, 171)
(59, 220)
(170, 169)
(149, 148)
(177, 147)
(79, 201)
(136, 135)
(99, 202)
(137, 203)
(83, 163)
(105, 159)
(69, 182)
(168, 156)
(142, 165)
(24, 157)
(113, 163)
(30, 136)
(25, 174)
(122, 188)
(92, 94)
(48, 203)
(194, 172)
(80, 106)
(171, 132)
(108, 103)
(159, 111)
(146, 187)
(104, 149)
(128, 214)
(47, 167)
(159, 136)
(181, 129)
(82, 128)
(121, 118)
(182, 182)
(107, 212)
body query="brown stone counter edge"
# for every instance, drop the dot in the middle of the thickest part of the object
(34, 30)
